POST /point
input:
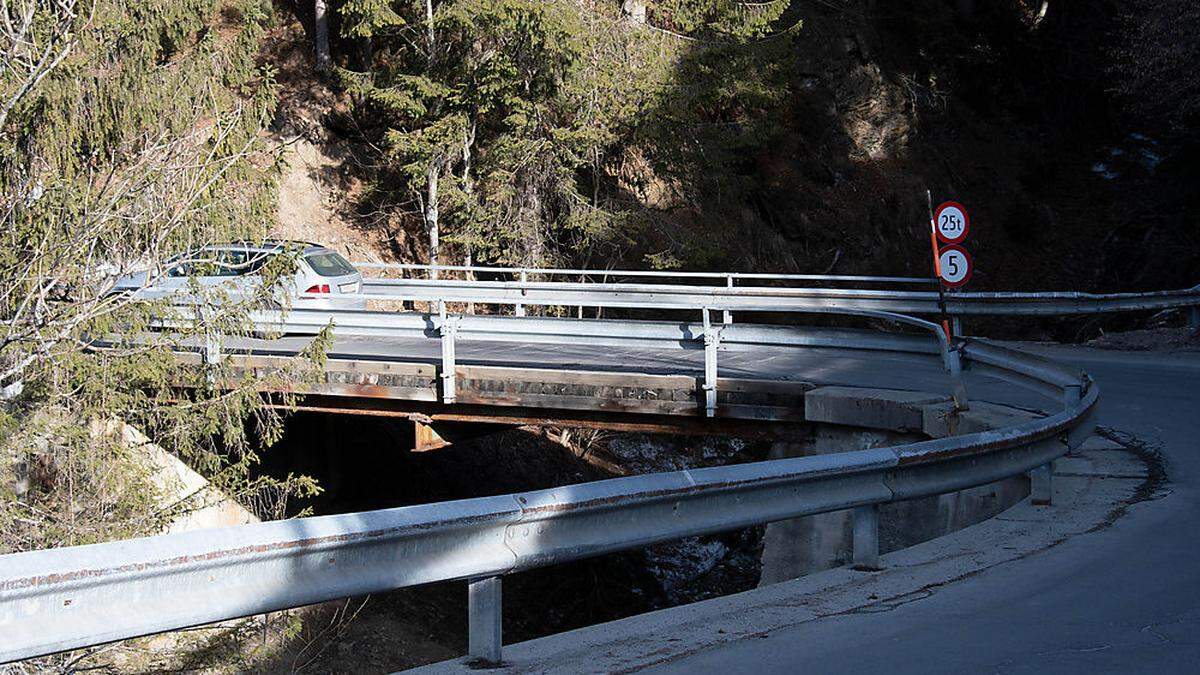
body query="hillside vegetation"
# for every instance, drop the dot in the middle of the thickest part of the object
(776, 136)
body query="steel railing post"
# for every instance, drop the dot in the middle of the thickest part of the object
(1041, 479)
(712, 340)
(956, 326)
(484, 615)
(448, 330)
(210, 351)
(953, 360)
(1194, 318)
(866, 537)
(520, 309)
(1072, 395)
(211, 354)
(728, 317)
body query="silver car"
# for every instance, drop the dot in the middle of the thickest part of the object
(323, 278)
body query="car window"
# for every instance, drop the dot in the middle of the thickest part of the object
(329, 264)
(238, 262)
(220, 263)
(230, 263)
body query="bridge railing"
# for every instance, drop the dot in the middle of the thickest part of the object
(450, 329)
(666, 290)
(62, 599)
(469, 272)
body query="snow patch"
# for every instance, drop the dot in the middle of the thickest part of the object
(681, 562)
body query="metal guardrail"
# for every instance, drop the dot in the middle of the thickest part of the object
(524, 291)
(451, 329)
(62, 599)
(585, 275)
(712, 337)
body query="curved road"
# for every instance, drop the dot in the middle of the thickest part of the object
(1124, 599)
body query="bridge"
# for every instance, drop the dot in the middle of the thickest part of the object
(710, 372)
(700, 373)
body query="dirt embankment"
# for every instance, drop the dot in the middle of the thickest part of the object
(318, 186)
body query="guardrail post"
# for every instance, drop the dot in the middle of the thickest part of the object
(210, 350)
(520, 310)
(866, 537)
(1041, 489)
(1041, 479)
(954, 367)
(211, 354)
(956, 326)
(1194, 318)
(582, 280)
(1072, 395)
(712, 339)
(448, 329)
(484, 614)
(728, 315)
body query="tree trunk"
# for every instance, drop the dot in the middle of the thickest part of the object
(529, 221)
(321, 37)
(431, 214)
(1041, 15)
(429, 25)
(468, 185)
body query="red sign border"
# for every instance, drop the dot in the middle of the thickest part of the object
(966, 223)
(970, 266)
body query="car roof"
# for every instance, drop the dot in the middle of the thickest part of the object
(267, 246)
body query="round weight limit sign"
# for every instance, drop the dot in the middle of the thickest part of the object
(954, 266)
(951, 223)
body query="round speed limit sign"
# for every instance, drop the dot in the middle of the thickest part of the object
(951, 222)
(954, 266)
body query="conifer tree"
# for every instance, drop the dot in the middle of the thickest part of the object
(130, 133)
(499, 120)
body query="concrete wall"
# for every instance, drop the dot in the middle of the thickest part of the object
(855, 419)
(179, 483)
(793, 548)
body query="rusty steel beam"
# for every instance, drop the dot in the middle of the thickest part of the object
(696, 425)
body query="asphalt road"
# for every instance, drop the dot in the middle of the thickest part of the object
(1125, 599)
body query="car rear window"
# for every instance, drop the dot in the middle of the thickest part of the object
(329, 264)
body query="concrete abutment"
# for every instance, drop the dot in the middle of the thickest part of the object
(850, 418)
